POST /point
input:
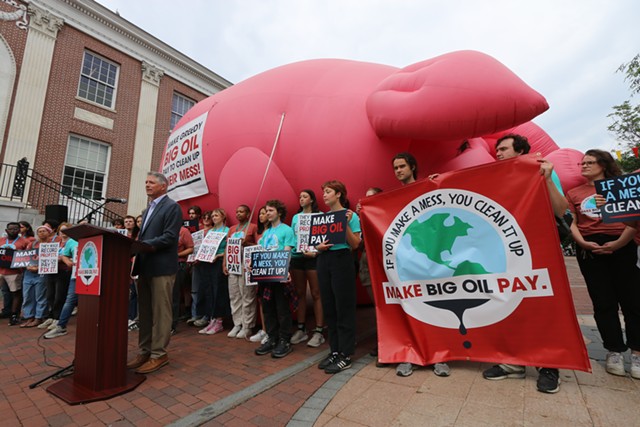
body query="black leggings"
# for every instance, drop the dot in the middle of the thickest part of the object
(613, 282)
(337, 278)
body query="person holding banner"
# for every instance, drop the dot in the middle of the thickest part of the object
(607, 259)
(337, 278)
(11, 279)
(303, 270)
(34, 290)
(277, 296)
(216, 285)
(242, 297)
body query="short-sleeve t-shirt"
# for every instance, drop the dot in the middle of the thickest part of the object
(354, 224)
(589, 220)
(248, 232)
(185, 241)
(277, 238)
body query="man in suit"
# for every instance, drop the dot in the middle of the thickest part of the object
(156, 271)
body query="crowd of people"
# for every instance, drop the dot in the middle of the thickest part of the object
(169, 285)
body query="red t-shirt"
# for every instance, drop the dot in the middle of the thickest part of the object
(20, 243)
(184, 241)
(249, 233)
(589, 220)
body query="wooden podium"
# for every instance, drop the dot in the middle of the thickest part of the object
(100, 365)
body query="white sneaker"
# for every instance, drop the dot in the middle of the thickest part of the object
(244, 333)
(615, 364)
(233, 333)
(56, 332)
(53, 325)
(45, 324)
(258, 336)
(201, 322)
(635, 366)
(265, 339)
(299, 336)
(317, 339)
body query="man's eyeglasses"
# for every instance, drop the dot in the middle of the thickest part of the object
(588, 163)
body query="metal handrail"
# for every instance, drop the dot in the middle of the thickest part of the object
(44, 191)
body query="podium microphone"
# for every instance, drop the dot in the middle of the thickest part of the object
(115, 200)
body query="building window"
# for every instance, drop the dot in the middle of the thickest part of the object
(85, 168)
(98, 80)
(179, 106)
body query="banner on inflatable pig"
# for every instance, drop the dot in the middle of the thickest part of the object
(468, 267)
(182, 162)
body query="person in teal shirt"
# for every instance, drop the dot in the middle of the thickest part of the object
(276, 296)
(218, 301)
(337, 277)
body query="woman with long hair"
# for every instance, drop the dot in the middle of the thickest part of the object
(303, 271)
(337, 277)
(607, 258)
(261, 336)
(217, 303)
(34, 289)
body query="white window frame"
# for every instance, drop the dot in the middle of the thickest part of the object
(87, 98)
(106, 167)
(177, 113)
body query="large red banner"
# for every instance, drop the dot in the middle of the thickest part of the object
(468, 267)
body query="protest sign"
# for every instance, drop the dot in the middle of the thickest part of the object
(331, 227)
(622, 197)
(463, 266)
(6, 257)
(25, 258)
(209, 246)
(248, 250)
(197, 241)
(270, 266)
(234, 256)
(303, 231)
(48, 258)
(182, 163)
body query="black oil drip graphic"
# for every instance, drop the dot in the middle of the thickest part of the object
(458, 307)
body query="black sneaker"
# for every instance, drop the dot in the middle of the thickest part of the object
(497, 372)
(340, 364)
(282, 349)
(548, 380)
(14, 320)
(266, 348)
(328, 361)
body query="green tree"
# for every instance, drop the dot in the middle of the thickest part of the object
(626, 117)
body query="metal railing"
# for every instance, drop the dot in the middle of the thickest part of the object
(16, 181)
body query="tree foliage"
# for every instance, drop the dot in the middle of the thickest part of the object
(625, 118)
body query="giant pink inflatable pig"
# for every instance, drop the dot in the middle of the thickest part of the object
(338, 119)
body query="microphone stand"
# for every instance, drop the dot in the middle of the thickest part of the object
(89, 216)
(57, 374)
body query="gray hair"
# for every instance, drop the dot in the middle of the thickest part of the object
(159, 177)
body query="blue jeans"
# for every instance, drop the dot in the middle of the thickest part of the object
(34, 295)
(69, 304)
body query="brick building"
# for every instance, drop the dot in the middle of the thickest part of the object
(89, 99)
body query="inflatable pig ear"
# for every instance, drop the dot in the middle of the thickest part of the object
(461, 94)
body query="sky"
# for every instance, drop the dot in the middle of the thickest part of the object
(568, 50)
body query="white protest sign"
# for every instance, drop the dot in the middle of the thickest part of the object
(303, 231)
(48, 258)
(234, 256)
(197, 241)
(209, 246)
(247, 261)
(182, 163)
